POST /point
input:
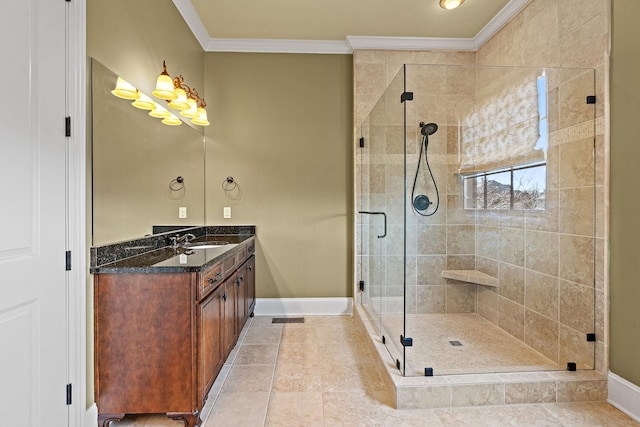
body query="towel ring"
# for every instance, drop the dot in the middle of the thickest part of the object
(177, 184)
(229, 184)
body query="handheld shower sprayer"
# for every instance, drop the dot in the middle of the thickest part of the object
(428, 129)
(421, 202)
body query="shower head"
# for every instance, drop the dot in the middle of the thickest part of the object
(428, 129)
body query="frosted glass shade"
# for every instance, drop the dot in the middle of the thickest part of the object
(144, 102)
(125, 90)
(159, 112)
(164, 88)
(172, 121)
(201, 120)
(180, 103)
(192, 112)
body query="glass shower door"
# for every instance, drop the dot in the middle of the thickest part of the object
(381, 218)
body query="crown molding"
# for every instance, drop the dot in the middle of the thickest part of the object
(277, 46)
(192, 19)
(409, 43)
(351, 43)
(510, 10)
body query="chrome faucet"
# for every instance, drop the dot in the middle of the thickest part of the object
(183, 240)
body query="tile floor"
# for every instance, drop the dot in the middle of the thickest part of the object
(484, 347)
(296, 375)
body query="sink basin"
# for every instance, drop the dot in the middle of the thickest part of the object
(208, 245)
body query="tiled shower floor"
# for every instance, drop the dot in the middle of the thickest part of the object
(483, 346)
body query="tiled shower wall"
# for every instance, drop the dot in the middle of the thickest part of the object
(544, 263)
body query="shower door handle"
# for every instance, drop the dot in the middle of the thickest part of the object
(385, 220)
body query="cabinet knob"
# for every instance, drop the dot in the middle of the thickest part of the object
(210, 280)
(224, 296)
(250, 267)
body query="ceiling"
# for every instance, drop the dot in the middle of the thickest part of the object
(339, 26)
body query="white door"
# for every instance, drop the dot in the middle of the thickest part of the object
(33, 302)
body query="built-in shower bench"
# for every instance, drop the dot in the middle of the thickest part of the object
(471, 276)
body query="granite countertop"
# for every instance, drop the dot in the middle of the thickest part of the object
(152, 254)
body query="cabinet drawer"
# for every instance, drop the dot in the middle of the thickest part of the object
(211, 279)
(251, 247)
(241, 255)
(229, 263)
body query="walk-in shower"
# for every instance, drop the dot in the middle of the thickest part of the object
(487, 211)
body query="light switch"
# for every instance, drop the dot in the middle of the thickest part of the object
(182, 212)
(226, 212)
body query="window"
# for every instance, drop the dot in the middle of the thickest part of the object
(521, 187)
(516, 188)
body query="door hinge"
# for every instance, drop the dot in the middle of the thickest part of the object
(362, 142)
(67, 126)
(68, 394)
(406, 96)
(68, 260)
(361, 285)
(406, 341)
(591, 99)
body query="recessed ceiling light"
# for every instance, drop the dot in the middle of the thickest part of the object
(450, 4)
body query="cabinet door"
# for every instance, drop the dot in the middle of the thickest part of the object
(229, 330)
(210, 337)
(241, 297)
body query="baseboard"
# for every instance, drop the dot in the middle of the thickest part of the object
(91, 416)
(624, 395)
(303, 306)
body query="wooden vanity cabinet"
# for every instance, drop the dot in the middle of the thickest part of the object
(162, 338)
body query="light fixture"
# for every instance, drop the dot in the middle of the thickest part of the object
(172, 120)
(201, 120)
(192, 112)
(164, 85)
(450, 4)
(159, 112)
(178, 95)
(144, 102)
(125, 90)
(180, 103)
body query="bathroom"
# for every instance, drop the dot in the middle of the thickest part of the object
(322, 221)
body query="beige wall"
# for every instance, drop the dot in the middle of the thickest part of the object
(625, 198)
(281, 127)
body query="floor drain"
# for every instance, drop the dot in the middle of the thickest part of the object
(287, 320)
(455, 343)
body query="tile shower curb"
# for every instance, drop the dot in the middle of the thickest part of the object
(450, 391)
